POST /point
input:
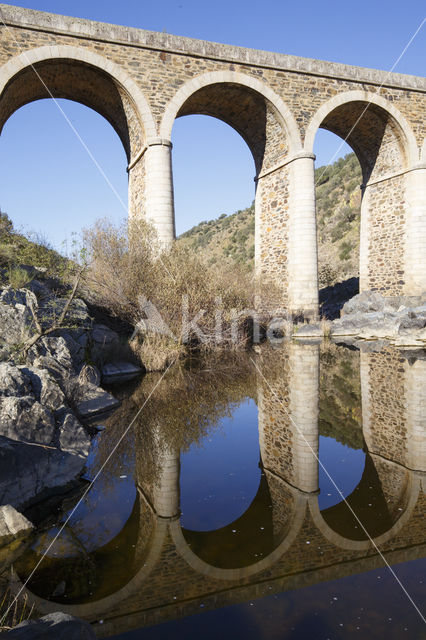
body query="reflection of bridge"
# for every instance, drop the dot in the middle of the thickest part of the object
(142, 81)
(174, 570)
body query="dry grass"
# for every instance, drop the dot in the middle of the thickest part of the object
(128, 269)
(325, 327)
(13, 612)
(157, 352)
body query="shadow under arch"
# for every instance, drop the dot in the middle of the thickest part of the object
(327, 521)
(78, 74)
(183, 539)
(387, 151)
(362, 103)
(221, 94)
(147, 560)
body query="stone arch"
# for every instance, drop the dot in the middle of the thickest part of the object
(134, 106)
(202, 567)
(270, 130)
(387, 151)
(102, 606)
(285, 116)
(366, 97)
(410, 497)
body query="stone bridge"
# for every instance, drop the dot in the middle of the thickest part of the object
(141, 81)
(174, 571)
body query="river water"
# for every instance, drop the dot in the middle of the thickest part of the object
(272, 495)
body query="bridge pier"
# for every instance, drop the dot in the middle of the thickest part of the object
(302, 251)
(288, 416)
(415, 282)
(159, 197)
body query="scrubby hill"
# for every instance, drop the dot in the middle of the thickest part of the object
(231, 237)
(22, 257)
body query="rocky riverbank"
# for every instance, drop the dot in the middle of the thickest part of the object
(51, 404)
(400, 321)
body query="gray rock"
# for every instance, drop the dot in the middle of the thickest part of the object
(119, 372)
(12, 524)
(16, 322)
(44, 387)
(72, 436)
(16, 534)
(75, 346)
(55, 348)
(103, 336)
(365, 302)
(56, 370)
(55, 626)
(94, 402)
(77, 314)
(20, 297)
(371, 346)
(355, 323)
(308, 331)
(12, 381)
(412, 321)
(40, 289)
(24, 419)
(90, 374)
(103, 343)
(368, 316)
(408, 339)
(36, 471)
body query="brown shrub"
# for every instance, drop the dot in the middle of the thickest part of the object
(129, 272)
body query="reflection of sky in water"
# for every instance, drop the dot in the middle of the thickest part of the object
(220, 478)
(101, 515)
(344, 465)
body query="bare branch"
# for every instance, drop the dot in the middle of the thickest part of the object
(71, 297)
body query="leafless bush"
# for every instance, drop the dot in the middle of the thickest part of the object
(128, 269)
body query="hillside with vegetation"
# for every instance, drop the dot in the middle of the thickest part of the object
(23, 257)
(230, 238)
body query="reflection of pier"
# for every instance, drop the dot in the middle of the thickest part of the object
(176, 570)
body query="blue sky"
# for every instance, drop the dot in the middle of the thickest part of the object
(50, 185)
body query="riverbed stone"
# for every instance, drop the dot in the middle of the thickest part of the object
(365, 302)
(369, 316)
(30, 472)
(308, 331)
(95, 402)
(118, 372)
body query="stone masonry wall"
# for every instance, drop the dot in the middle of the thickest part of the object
(387, 429)
(160, 65)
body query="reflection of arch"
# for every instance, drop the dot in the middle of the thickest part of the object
(206, 569)
(410, 496)
(408, 138)
(16, 70)
(91, 609)
(284, 114)
(235, 544)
